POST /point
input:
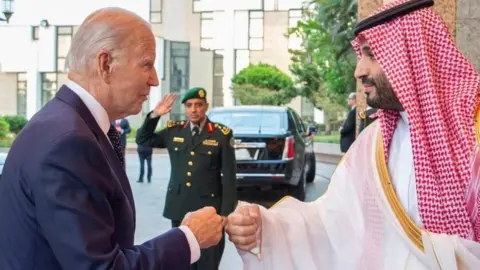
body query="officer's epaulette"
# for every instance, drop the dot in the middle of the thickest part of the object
(172, 123)
(224, 129)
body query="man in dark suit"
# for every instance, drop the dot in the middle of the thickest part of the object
(65, 201)
(123, 128)
(348, 129)
(200, 152)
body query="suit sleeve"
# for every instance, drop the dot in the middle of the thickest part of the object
(146, 135)
(229, 179)
(74, 199)
(349, 124)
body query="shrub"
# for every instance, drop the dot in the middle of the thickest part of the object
(16, 122)
(4, 128)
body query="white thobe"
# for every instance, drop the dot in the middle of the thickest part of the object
(359, 222)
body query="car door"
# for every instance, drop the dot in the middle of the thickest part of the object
(299, 135)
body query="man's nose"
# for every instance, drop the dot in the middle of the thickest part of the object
(361, 70)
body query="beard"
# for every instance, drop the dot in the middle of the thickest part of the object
(383, 97)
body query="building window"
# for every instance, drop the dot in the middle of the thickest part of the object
(179, 75)
(207, 30)
(49, 86)
(64, 40)
(156, 11)
(35, 32)
(217, 89)
(22, 94)
(294, 41)
(255, 30)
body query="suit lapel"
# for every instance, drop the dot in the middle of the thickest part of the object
(68, 96)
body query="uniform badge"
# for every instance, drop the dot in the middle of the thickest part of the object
(201, 93)
(178, 139)
(170, 123)
(210, 142)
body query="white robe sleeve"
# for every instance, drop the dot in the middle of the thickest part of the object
(298, 235)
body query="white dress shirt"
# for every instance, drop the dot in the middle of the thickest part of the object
(101, 116)
(401, 169)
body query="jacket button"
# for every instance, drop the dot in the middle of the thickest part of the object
(209, 152)
(192, 153)
(190, 163)
(189, 174)
(188, 184)
(176, 148)
(213, 195)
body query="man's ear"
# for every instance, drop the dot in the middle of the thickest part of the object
(104, 62)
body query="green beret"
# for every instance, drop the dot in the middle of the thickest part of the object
(195, 92)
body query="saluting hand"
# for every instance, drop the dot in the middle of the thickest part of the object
(165, 105)
(243, 225)
(206, 225)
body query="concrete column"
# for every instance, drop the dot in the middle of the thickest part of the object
(33, 98)
(229, 53)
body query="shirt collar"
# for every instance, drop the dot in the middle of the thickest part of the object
(95, 108)
(200, 127)
(404, 117)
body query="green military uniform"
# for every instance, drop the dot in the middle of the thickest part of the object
(197, 166)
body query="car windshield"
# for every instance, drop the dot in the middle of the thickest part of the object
(255, 122)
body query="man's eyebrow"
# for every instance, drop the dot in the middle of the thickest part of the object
(366, 48)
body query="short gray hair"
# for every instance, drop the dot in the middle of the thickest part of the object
(352, 96)
(109, 29)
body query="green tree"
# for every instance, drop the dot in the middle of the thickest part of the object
(324, 67)
(4, 128)
(263, 84)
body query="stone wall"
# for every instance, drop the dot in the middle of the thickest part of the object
(468, 30)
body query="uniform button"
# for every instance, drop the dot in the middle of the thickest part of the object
(192, 153)
(213, 195)
(188, 184)
(209, 152)
(189, 174)
(176, 148)
(190, 163)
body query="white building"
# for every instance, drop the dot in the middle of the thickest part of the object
(199, 43)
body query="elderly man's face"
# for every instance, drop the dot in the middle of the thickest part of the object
(378, 89)
(132, 78)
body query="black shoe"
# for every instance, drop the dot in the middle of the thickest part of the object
(140, 181)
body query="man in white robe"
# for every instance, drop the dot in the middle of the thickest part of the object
(419, 210)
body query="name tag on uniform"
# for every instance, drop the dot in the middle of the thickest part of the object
(178, 139)
(210, 142)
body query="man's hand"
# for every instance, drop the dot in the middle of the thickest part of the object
(206, 225)
(164, 106)
(243, 225)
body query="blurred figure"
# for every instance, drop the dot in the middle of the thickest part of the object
(123, 128)
(145, 155)
(348, 129)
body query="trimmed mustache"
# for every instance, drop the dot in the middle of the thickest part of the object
(368, 81)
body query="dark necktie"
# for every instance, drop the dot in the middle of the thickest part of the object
(114, 137)
(195, 132)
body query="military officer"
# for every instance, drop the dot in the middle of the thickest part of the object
(203, 170)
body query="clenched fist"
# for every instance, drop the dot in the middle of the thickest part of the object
(206, 225)
(243, 225)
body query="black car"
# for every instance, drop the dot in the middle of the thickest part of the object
(272, 147)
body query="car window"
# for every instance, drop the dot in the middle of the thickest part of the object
(252, 122)
(300, 125)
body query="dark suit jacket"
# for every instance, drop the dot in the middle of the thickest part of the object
(125, 126)
(196, 178)
(347, 135)
(66, 203)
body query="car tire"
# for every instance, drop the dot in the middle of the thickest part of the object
(299, 191)
(311, 169)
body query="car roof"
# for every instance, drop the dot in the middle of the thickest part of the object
(250, 108)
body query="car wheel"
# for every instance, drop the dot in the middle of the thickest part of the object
(311, 169)
(299, 191)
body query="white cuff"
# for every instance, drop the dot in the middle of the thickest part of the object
(192, 242)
